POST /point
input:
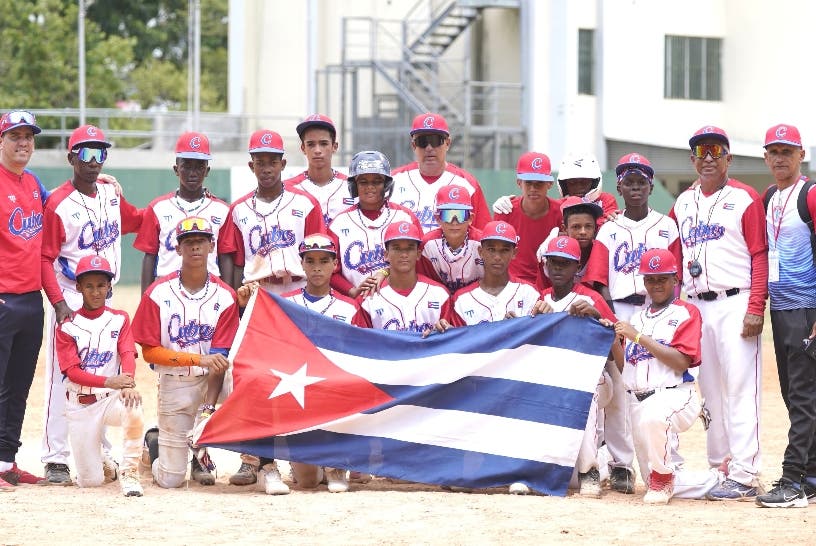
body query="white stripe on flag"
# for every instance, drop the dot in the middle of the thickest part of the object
(466, 431)
(529, 363)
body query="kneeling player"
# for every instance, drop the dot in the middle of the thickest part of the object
(97, 354)
(662, 343)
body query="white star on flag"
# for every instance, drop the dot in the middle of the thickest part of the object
(294, 384)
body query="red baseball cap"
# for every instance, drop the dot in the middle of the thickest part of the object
(192, 145)
(564, 247)
(86, 134)
(315, 242)
(93, 264)
(453, 196)
(536, 167)
(709, 131)
(499, 231)
(783, 134)
(402, 230)
(264, 140)
(658, 261)
(316, 120)
(574, 201)
(193, 225)
(18, 118)
(430, 123)
(634, 162)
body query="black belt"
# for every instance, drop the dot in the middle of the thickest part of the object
(633, 299)
(88, 399)
(641, 396)
(711, 296)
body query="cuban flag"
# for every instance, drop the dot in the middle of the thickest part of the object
(479, 406)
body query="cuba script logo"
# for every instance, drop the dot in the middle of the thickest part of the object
(188, 334)
(92, 358)
(358, 258)
(98, 237)
(263, 243)
(425, 216)
(627, 260)
(696, 235)
(636, 352)
(25, 227)
(169, 241)
(396, 325)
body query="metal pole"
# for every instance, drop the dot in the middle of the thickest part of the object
(81, 54)
(190, 47)
(197, 66)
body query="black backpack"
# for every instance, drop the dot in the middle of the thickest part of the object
(804, 213)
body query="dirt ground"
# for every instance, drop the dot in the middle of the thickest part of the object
(384, 513)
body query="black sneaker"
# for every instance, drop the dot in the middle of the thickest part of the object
(810, 491)
(622, 480)
(785, 494)
(57, 474)
(201, 474)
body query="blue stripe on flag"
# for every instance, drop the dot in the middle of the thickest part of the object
(386, 457)
(491, 396)
(563, 331)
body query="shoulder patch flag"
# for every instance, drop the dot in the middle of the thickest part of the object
(478, 406)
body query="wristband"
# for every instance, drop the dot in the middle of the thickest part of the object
(385, 272)
(637, 338)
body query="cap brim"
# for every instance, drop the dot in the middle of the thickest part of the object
(533, 177)
(497, 238)
(424, 130)
(304, 126)
(193, 155)
(102, 271)
(194, 232)
(266, 149)
(561, 255)
(623, 170)
(454, 206)
(697, 138)
(597, 210)
(332, 252)
(653, 274)
(104, 143)
(787, 142)
(406, 238)
(34, 128)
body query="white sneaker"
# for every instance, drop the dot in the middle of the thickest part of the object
(272, 481)
(337, 480)
(661, 488)
(590, 483)
(519, 488)
(110, 469)
(131, 487)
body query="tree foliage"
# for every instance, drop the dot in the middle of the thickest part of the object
(134, 50)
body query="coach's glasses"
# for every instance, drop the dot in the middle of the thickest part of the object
(449, 215)
(21, 116)
(86, 155)
(435, 141)
(716, 151)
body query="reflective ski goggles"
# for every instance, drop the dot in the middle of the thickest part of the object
(317, 242)
(21, 116)
(449, 215)
(702, 150)
(87, 154)
(435, 141)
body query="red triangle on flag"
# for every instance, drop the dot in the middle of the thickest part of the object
(272, 345)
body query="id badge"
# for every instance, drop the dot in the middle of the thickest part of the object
(773, 266)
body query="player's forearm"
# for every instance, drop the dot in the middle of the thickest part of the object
(669, 356)
(168, 357)
(148, 270)
(49, 281)
(226, 266)
(128, 363)
(81, 377)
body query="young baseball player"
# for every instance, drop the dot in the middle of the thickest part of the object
(185, 323)
(318, 142)
(406, 301)
(613, 270)
(662, 345)
(580, 223)
(98, 357)
(358, 231)
(450, 253)
(563, 258)
(495, 297)
(319, 255)
(80, 218)
(157, 236)
(533, 215)
(267, 225)
(416, 184)
(725, 263)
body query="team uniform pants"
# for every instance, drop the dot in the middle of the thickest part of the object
(730, 381)
(179, 400)
(797, 379)
(86, 428)
(21, 327)
(588, 451)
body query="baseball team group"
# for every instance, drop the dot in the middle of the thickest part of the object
(412, 249)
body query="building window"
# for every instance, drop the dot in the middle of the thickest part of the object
(586, 61)
(693, 68)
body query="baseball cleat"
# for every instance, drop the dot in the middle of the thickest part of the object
(622, 480)
(519, 488)
(785, 494)
(272, 481)
(131, 487)
(110, 469)
(247, 475)
(810, 491)
(57, 474)
(16, 476)
(730, 490)
(5, 487)
(590, 483)
(200, 474)
(337, 480)
(661, 488)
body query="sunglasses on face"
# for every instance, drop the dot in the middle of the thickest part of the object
(716, 151)
(435, 141)
(21, 116)
(86, 155)
(449, 215)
